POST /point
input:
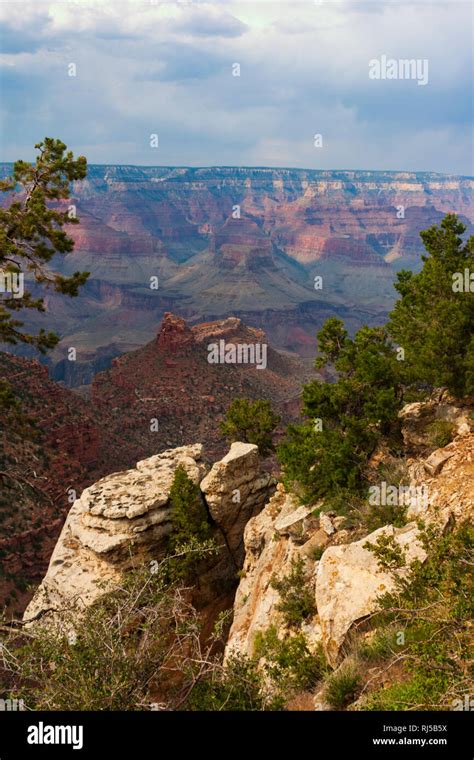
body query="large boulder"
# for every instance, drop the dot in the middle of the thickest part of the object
(116, 522)
(124, 519)
(235, 490)
(350, 581)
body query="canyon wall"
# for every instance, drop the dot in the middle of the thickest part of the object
(246, 242)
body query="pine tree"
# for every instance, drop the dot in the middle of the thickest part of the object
(31, 233)
(251, 422)
(191, 538)
(188, 513)
(346, 418)
(433, 321)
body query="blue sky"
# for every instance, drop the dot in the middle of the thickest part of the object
(166, 68)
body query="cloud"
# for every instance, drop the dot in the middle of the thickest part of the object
(166, 68)
(15, 41)
(178, 62)
(23, 32)
(208, 21)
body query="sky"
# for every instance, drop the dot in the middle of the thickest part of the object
(106, 76)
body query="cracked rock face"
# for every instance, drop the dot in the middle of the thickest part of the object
(269, 551)
(236, 490)
(121, 518)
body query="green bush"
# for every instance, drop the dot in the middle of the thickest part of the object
(132, 643)
(288, 661)
(120, 647)
(387, 550)
(380, 646)
(296, 599)
(375, 516)
(317, 552)
(251, 422)
(433, 609)
(343, 685)
(440, 433)
(239, 686)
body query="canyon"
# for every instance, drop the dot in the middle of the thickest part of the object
(184, 264)
(247, 242)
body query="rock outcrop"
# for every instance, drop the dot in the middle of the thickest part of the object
(269, 551)
(235, 491)
(115, 522)
(174, 334)
(344, 574)
(346, 581)
(349, 581)
(124, 519)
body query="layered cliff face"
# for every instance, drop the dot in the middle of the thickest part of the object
(242, 241)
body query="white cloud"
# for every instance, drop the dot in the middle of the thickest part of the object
(166, 67)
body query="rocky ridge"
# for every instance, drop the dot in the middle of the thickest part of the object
(123, 520)
(171, 380)
(344, 575)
